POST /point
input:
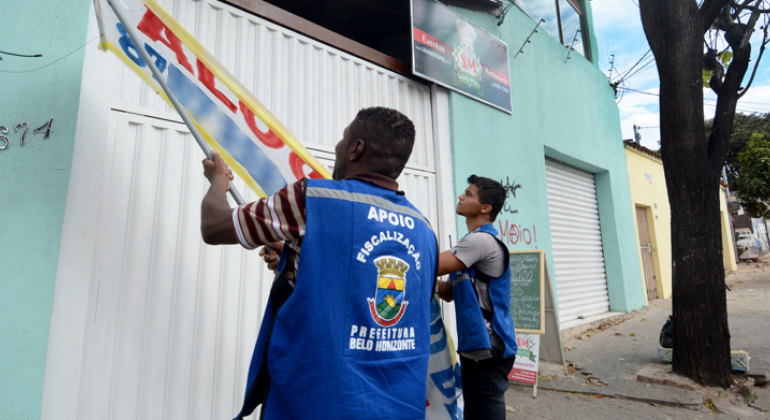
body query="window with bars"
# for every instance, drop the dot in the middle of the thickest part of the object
(564, 20)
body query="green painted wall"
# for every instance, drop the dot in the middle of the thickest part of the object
(33, 184)
(565, 111)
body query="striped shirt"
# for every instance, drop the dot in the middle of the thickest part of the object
(282, 218)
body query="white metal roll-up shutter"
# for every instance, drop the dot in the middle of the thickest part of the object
(171, 322)
(576, 236)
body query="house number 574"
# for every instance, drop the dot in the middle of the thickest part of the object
(24, 126)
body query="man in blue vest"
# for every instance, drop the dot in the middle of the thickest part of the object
(346, 333)
(480, 286)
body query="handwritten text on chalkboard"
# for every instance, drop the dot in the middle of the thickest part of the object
(526, 291)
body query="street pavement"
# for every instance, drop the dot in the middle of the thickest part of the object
(609, 361)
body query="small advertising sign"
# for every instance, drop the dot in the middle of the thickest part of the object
(525, 368)
(454, 53)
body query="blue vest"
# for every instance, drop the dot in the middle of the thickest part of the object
(352, 340)
(472, 319)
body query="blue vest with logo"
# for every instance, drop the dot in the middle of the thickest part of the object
(352, 340)
(472, 319)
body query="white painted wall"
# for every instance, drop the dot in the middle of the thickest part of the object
(148, 321)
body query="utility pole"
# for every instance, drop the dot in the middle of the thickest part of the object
(637, 136)
(730, 215)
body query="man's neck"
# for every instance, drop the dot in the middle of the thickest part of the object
(378, 180)
(476, 222)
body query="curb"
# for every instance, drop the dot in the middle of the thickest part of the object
(687, 398)
(667, 382)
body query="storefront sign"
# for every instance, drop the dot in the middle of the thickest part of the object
(525, 368)
(451, 51)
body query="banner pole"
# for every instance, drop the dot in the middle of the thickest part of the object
(159, 77)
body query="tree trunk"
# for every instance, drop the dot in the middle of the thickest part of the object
(727, 101)
(674, 29)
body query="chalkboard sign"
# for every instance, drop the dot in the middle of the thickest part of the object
(527, 291)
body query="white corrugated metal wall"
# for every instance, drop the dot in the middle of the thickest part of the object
(171, 321)
(576, 237)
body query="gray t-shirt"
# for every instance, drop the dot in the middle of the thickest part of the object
(482, 251)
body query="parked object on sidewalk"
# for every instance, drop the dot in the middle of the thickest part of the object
(739, 359)
(667, 333)
(749, 246)
(760, 379)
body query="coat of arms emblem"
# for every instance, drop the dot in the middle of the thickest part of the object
(388, 305)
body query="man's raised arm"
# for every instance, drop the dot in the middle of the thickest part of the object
(447, 263)
(216, 214)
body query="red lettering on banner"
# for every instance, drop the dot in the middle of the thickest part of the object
(489, 71)
(207, 78)
(268, 138)
(297, 167)
(153, 27)
(432, 42)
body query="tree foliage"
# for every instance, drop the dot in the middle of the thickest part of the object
(744, 127)
(754, 182)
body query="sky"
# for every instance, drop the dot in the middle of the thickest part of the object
(619, 32)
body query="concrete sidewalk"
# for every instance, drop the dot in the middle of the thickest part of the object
(620, 360)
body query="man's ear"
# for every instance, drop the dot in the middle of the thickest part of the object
(356, 150)
(486, 209)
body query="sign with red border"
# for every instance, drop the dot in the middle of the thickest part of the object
(453, 52)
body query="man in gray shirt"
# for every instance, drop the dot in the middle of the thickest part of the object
(480, 287)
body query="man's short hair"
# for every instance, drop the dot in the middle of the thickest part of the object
(490, 192)
(389, 137)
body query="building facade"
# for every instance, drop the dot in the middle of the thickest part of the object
(650, 206)
(35, 182)
(652, 213)
(561, 156)
(118, 310)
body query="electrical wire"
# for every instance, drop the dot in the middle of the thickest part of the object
(640, 91)
(20, 55)
(641, 65)
(54, 61)
(645, 62)
(623, 77)
(741, 107)
(757, 103)
(642, 68)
